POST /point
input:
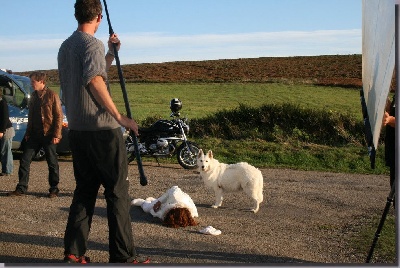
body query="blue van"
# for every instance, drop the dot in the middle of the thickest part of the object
(16, 91)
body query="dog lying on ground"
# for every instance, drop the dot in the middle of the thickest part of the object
(175, 208)
(230, 178)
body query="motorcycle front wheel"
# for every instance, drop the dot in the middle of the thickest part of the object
(187, 155)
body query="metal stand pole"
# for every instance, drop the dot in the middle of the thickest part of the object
(143, 178)
(380, 226)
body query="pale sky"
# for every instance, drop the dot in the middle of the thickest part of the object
(181, 30)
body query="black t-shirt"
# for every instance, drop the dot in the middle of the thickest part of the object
(37, 123)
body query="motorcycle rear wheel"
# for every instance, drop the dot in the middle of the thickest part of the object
(187, 158)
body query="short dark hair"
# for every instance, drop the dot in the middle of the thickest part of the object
(38, 76)
(87, 10)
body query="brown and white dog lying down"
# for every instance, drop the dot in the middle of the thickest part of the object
(175, 208)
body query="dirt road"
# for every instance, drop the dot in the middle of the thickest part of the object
(307, 217)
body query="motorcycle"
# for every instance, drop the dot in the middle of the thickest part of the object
(166, 138)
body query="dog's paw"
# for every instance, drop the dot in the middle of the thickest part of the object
(254, 210)
(251, 210)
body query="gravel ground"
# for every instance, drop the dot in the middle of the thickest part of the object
(306, 218)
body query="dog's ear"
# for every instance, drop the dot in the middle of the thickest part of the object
(210, 154)
(200, 153)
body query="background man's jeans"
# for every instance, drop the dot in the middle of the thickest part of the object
(7, 164)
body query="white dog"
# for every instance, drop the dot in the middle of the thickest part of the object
(230, 178)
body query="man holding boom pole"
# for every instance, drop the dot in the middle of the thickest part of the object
(97, 145)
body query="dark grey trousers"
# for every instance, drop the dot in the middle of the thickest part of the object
(99, 158)
(34, 143)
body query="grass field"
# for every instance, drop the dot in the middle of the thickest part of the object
(200, 100)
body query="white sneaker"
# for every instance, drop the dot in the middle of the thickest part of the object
(210, 230)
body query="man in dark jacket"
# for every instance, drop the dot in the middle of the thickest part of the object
(43, 130)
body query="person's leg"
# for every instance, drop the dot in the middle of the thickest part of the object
(3, 155)
(84, 200)
(9, 157)
(52, 163)
(31, 147)
(111, 159)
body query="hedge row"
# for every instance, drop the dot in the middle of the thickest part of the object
(279, 123)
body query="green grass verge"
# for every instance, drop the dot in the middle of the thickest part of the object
(301, 156)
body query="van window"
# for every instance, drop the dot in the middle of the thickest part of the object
(15, 92)
(19, 97)
(8, 94)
